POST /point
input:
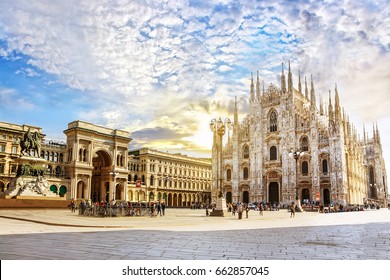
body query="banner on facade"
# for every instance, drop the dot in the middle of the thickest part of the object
(138, 184)
(317, 196)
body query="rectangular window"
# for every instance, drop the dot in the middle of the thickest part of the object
(2, 148)
(13, 169)
(14, 149)
(1, 168)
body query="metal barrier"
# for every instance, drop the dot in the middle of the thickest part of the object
(116, 211)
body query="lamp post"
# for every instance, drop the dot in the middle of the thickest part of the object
(218, 127)
(296, 154)
(113, 174)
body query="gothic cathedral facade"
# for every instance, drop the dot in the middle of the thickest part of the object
(287, 148)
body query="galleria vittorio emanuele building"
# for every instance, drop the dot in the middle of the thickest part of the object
(287, 147)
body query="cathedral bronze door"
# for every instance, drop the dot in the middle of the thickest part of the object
(245, 197)
(326, 197)
(229, 197)
(273, 193)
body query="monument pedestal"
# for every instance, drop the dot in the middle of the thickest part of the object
(220, 208)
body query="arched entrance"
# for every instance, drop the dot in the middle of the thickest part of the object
(326, 196)
(180, 200)
(101, 162)
(81, 189)
(245, 197)
(118, 191)
(273, 193)
(169, 199)
(229, 197)
(305, 196)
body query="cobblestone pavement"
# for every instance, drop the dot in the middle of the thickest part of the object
(187, 235)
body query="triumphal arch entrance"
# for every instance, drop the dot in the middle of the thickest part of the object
(97, 160)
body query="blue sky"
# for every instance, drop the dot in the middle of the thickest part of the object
(163, 69)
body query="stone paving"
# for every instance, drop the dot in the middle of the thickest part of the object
(189, 235)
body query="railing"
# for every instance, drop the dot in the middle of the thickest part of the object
(116, 210)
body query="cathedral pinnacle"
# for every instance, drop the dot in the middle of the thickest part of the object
(312, 94)
(299, 82)
(258, 93)
(337, 106)
(252, 90)
(283, 80)
(290, 82)
(306, 90)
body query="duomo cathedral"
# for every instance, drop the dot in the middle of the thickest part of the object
(288, 148)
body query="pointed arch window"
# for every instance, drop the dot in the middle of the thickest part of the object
(305, 144)
(273, 153)
(228, 174)
(325, 166)
(372, 178)
(273, 122)
(245, 151)
(305, 168)
(245, 173)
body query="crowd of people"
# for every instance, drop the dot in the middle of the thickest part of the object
(157, 208)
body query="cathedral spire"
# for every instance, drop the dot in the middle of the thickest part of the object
(321, 106)
(306, 90)
(258, 93)
(283, 80)
(252, 90)
(235, 113)
(330, 111)
(290, 82)
(364, 134)
(299, 82)
(337, 111)
(378, 137)
(312, 94)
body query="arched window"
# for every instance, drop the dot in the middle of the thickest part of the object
(152, 180)
(246, 173)
(304, 144)
(129, 178)
(143, 179)
(58, 171)
(245, 151)
(273, 122)
(324, 166)
(305, 168)
(273, 153)
(372, 178)
(228, 174)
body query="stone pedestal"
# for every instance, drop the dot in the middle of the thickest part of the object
(220, 208)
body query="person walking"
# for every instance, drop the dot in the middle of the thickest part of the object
(292, 210)
(163, 208)
(159, 208)
(261, 209)
(246, 210)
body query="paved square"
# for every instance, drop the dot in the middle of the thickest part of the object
(190, 235)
